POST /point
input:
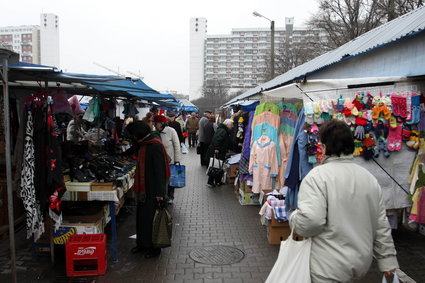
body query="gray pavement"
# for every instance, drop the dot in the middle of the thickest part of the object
(202, 217)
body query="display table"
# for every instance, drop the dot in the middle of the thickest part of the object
(115, 199)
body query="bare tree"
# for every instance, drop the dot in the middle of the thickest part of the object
(215, 93)
(292, 54)
(344, 20)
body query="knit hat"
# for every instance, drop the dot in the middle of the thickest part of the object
(160, 119)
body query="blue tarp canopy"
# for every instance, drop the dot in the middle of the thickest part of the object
(187, 106)
(106, 84)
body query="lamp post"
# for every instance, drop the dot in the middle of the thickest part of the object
(256, 14)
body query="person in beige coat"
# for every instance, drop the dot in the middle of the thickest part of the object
(340, 206)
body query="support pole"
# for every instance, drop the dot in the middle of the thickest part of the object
(8, 151)
(272, 50)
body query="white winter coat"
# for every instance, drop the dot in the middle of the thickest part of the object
(341, 207)
(171, 142)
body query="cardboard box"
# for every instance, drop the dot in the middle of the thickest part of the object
(83, 214)
(102, 186)
(277, 234)
(78, 186)
(274, 223)
(65, 231)
(230, 180)
(248, 198)
(233, 170)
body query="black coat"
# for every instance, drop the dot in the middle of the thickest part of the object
(156, 182)
(221, 141)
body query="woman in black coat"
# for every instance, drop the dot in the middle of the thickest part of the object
(219, 147)
(150, 184)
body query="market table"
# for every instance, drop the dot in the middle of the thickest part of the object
(113, 197)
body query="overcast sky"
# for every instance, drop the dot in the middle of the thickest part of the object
(150, 37)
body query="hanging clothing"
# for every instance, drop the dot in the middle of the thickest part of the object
(270, 131)
(297, 166)
(267, 107)
(263, 164)
(93, 110)
(34, 218)
(55, 187)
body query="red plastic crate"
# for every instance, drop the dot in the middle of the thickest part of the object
(86, 255)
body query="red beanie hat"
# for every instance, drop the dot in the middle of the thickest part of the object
(160, 118)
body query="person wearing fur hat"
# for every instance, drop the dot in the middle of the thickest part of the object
(341, 209)
(151, 176)
(171, 143)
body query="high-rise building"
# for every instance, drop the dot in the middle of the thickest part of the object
(239, 60)
(35, 44)
(198, 34)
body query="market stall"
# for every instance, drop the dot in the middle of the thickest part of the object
(90, 166)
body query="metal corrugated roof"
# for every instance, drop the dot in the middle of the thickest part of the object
(404, 26)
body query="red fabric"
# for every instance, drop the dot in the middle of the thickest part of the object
(160, 118)
(139, 182)
(361, 121)
(347, 112)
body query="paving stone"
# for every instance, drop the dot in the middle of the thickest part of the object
(202, 217)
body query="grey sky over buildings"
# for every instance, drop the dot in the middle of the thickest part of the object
(150, 37)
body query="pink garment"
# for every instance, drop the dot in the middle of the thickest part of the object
(75, 105)
(420, 217)
(60, 102)
(263, 164)
(267, 117)
(285, 141)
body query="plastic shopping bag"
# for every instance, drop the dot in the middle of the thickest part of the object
(395, 279)
(184, 148)
(177, 175)
(293, 262)
(162, 226)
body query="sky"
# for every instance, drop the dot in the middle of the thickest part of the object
(146, 37)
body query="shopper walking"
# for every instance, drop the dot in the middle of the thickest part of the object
(172, 146)
(152, 171)
(175, 125)
(219, 147)
(206, 132)
(341, 207)
(192, 126)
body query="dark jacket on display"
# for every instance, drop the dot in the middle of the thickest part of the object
(220, 141)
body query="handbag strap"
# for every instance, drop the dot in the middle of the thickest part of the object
(219, 165)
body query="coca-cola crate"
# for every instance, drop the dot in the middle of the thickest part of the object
(86, 255)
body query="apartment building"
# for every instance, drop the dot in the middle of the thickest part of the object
(238, 59)
(37, 44)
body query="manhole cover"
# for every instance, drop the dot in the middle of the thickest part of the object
(217, 255)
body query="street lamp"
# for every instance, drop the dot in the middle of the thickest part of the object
(256, 14)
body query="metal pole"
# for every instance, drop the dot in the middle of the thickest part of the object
(272, 50)
(9, 170)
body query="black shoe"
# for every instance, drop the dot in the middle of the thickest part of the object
(153, 253)
(138, 249)
(219, 184)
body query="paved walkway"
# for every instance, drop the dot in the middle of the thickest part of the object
(202, 217)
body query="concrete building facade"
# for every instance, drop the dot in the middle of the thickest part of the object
(239, 59)
(35, 44)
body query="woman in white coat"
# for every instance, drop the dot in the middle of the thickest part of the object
(340, 206)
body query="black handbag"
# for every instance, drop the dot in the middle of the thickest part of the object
(198, 149)
(214, 171)
(162, 227)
